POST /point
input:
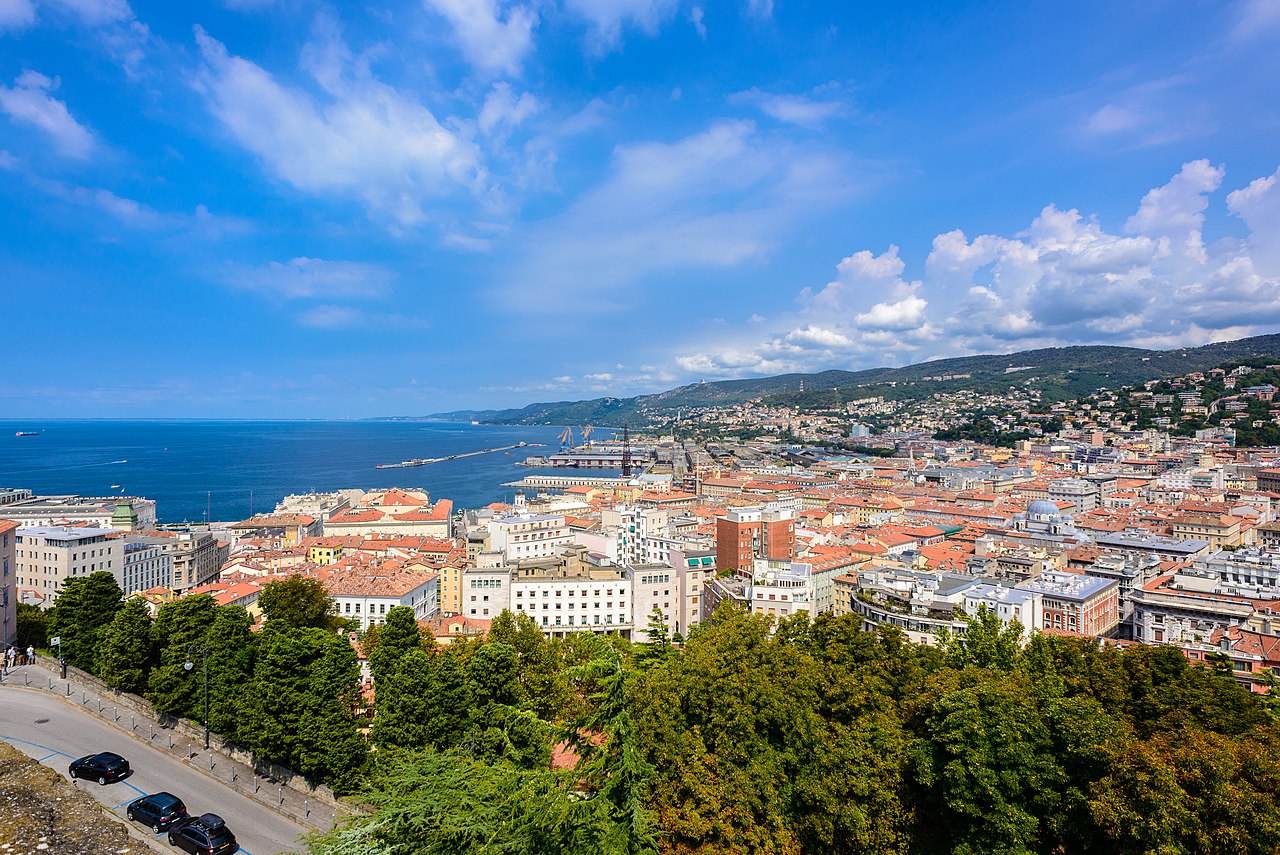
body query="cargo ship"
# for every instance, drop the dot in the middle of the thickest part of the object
(27, 433)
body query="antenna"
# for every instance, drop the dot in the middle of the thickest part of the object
(208, 507)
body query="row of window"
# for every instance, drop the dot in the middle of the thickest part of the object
(655, 580)
(486, 583)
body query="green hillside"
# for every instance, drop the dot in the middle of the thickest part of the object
(1060, 373)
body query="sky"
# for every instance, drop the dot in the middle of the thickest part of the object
(286, 208)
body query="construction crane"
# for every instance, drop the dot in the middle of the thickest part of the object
(566, 439)
(586, 436)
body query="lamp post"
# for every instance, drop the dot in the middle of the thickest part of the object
(204, 657)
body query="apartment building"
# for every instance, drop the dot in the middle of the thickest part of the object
(1076, 604)
(367, 596)
(47, 556)
(745, 534)
(147, 564)
(8, 582)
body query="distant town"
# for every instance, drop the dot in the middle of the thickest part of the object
(1134, 515)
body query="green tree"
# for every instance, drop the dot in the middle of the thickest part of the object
(32, 626)
(987, 643)
(124, 652)
(85, 606)
(232, 646)
(299, 709)
(396, 636)
(658, 648)
(179, 624)
(448, 704)
(406, 703)
(494, 674)
(300, 602)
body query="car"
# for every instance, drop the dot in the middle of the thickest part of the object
(158, 810)
(206, 834)
(105, 768)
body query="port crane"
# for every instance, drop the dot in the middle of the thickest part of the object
(586, 436)
(566, 439)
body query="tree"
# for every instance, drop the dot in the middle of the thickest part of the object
(658, 647)
(406, 704)
(171, 687)
(85, 606)
(493, 671)
(32, 626)
(232, 646)
(448, 704)
(987, 643)
(124, 652)
(300, 602)
(396, 636)
(298, 710)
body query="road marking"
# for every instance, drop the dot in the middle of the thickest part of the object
(35, 745)
(47, 756)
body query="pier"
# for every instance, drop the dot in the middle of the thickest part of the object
(423, 461)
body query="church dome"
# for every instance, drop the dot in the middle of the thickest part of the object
(1043, 507)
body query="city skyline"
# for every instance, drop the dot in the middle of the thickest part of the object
(272, 209)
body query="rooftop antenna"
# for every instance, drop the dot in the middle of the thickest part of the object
(626, 451)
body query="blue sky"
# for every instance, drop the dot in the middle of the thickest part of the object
(276, 208)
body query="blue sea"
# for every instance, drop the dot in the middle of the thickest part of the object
(231, 469)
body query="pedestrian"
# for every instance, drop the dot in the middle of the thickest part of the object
(12, 656)
(62, 666)
(31, 655)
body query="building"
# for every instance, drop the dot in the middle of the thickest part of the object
(393, 512)
(147, 564)
(47, 556)
(745, 534)
(1076, 604)
(523, 536)
(288, 529)
(367, 596)
(122, 513)
(8, 583)
(197, 558)
(1008, 604)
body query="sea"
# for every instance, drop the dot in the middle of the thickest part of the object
(229, 470)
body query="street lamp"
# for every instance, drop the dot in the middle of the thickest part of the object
(188, 665)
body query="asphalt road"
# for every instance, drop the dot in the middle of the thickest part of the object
(55, 733)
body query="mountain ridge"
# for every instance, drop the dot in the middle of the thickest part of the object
(1058, 372)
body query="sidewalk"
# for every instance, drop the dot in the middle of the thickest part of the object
(286, 801)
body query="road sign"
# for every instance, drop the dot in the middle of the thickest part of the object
(56, 640)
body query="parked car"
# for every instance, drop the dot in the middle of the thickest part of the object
(105, 768)
(206, 834)
(158, 810)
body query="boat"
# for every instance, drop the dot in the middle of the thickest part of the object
(115, 486)
(27, 433)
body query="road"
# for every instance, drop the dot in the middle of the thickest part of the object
(55, 733)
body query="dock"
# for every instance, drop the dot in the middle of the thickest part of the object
(423, 461)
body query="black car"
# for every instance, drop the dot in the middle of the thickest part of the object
(105, 768)
(206, 834)
(158, 810)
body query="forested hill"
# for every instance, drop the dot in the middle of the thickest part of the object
(1059, 372)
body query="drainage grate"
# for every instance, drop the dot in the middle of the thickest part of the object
(42, 721)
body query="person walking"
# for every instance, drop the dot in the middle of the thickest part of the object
(13, 657)
(31, 655)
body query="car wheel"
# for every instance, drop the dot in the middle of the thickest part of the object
(102, 779)
(156, 828)
(129, 815)
(172, 840)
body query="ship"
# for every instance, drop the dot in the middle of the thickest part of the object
(27, 433)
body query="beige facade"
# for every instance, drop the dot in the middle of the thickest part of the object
(8, 582)
(47, 556)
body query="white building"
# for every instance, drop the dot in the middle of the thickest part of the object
(48, 556)
(1008, 604)
(367, 597)
(147, 564)
(524, 536)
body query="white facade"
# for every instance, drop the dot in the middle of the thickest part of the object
(47, 556)
(524, 536)
(1008, 604)
(369, 598)
(146, 565)
(559, 605)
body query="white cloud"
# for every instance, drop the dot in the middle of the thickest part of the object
(493, 36)
(366, 140)
(503, 109)
(29, 101)
(792, 109)
(16, 14)
(1258, 205)
(1064, 280)
(94, 12)
(713, 200)
(607, 18)
(696, 16)
(1256, 18)
(311, 277)
(602, 377)
(760, 8)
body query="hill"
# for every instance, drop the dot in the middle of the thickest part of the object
(1059, 373)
